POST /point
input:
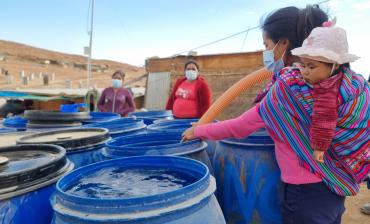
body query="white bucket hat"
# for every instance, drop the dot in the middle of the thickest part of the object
(326, 44)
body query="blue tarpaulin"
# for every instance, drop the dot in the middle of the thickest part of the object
(28, 96)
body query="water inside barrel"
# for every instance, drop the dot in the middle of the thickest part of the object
(123, 183)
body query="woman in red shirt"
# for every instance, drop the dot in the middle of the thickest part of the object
(191, 96)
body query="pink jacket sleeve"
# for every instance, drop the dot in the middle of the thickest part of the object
(129, 105)
(239, 127)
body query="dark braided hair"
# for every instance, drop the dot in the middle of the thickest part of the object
(293, 24)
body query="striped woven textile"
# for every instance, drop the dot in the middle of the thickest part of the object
(287, 110)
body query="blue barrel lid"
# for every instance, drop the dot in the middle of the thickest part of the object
(28, 165)
(260, 137)
(101, 116)
(71, 139)
(152, 143)
(120, 202)
(119, 125)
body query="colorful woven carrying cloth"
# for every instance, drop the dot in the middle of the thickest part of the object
(287, 110)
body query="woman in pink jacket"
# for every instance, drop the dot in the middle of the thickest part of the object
(116, 99)
(319, 118)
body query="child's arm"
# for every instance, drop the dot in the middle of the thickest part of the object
(319, 156)
(239, 127)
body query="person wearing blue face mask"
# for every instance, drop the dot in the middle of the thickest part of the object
(116, 99)
(191, 96)
(284, 30)
(269, 60)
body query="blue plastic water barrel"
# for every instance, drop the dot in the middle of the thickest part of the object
(16, 122)
(179, 126)
(143, 189)
(153, 143)
(150, 116)
(121, 127)
(248, 179)
(27, 181)
(171, 126)
(84, 145)
(100, 117)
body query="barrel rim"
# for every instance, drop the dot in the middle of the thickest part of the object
(120, 123)
(21, 179)
(137, 149)
(179, 120)
(231, 142)
(48, 180)
(163, 125)
(133, 204)
(152, 114)
(70, 144)
(58, 115)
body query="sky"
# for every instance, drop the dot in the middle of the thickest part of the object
(130, 31)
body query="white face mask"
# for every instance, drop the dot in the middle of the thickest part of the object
(116, 83)
(191, 75)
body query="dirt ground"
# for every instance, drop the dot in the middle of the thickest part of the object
(15, 57)
(353, 215)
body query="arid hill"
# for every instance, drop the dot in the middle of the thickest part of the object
(15, 57)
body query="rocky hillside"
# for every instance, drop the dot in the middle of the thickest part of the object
(64, 70)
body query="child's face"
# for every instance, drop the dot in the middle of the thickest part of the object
(315, 71)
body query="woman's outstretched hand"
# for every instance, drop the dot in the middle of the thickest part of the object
(188, 134)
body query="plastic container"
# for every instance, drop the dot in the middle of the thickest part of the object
(84, 145)
(150, 116)
(27, 181)
(72, 107)
(101, 117)
(121, 127)
(144, 189)
(156, 144)
(16, 122)
(248, 180)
